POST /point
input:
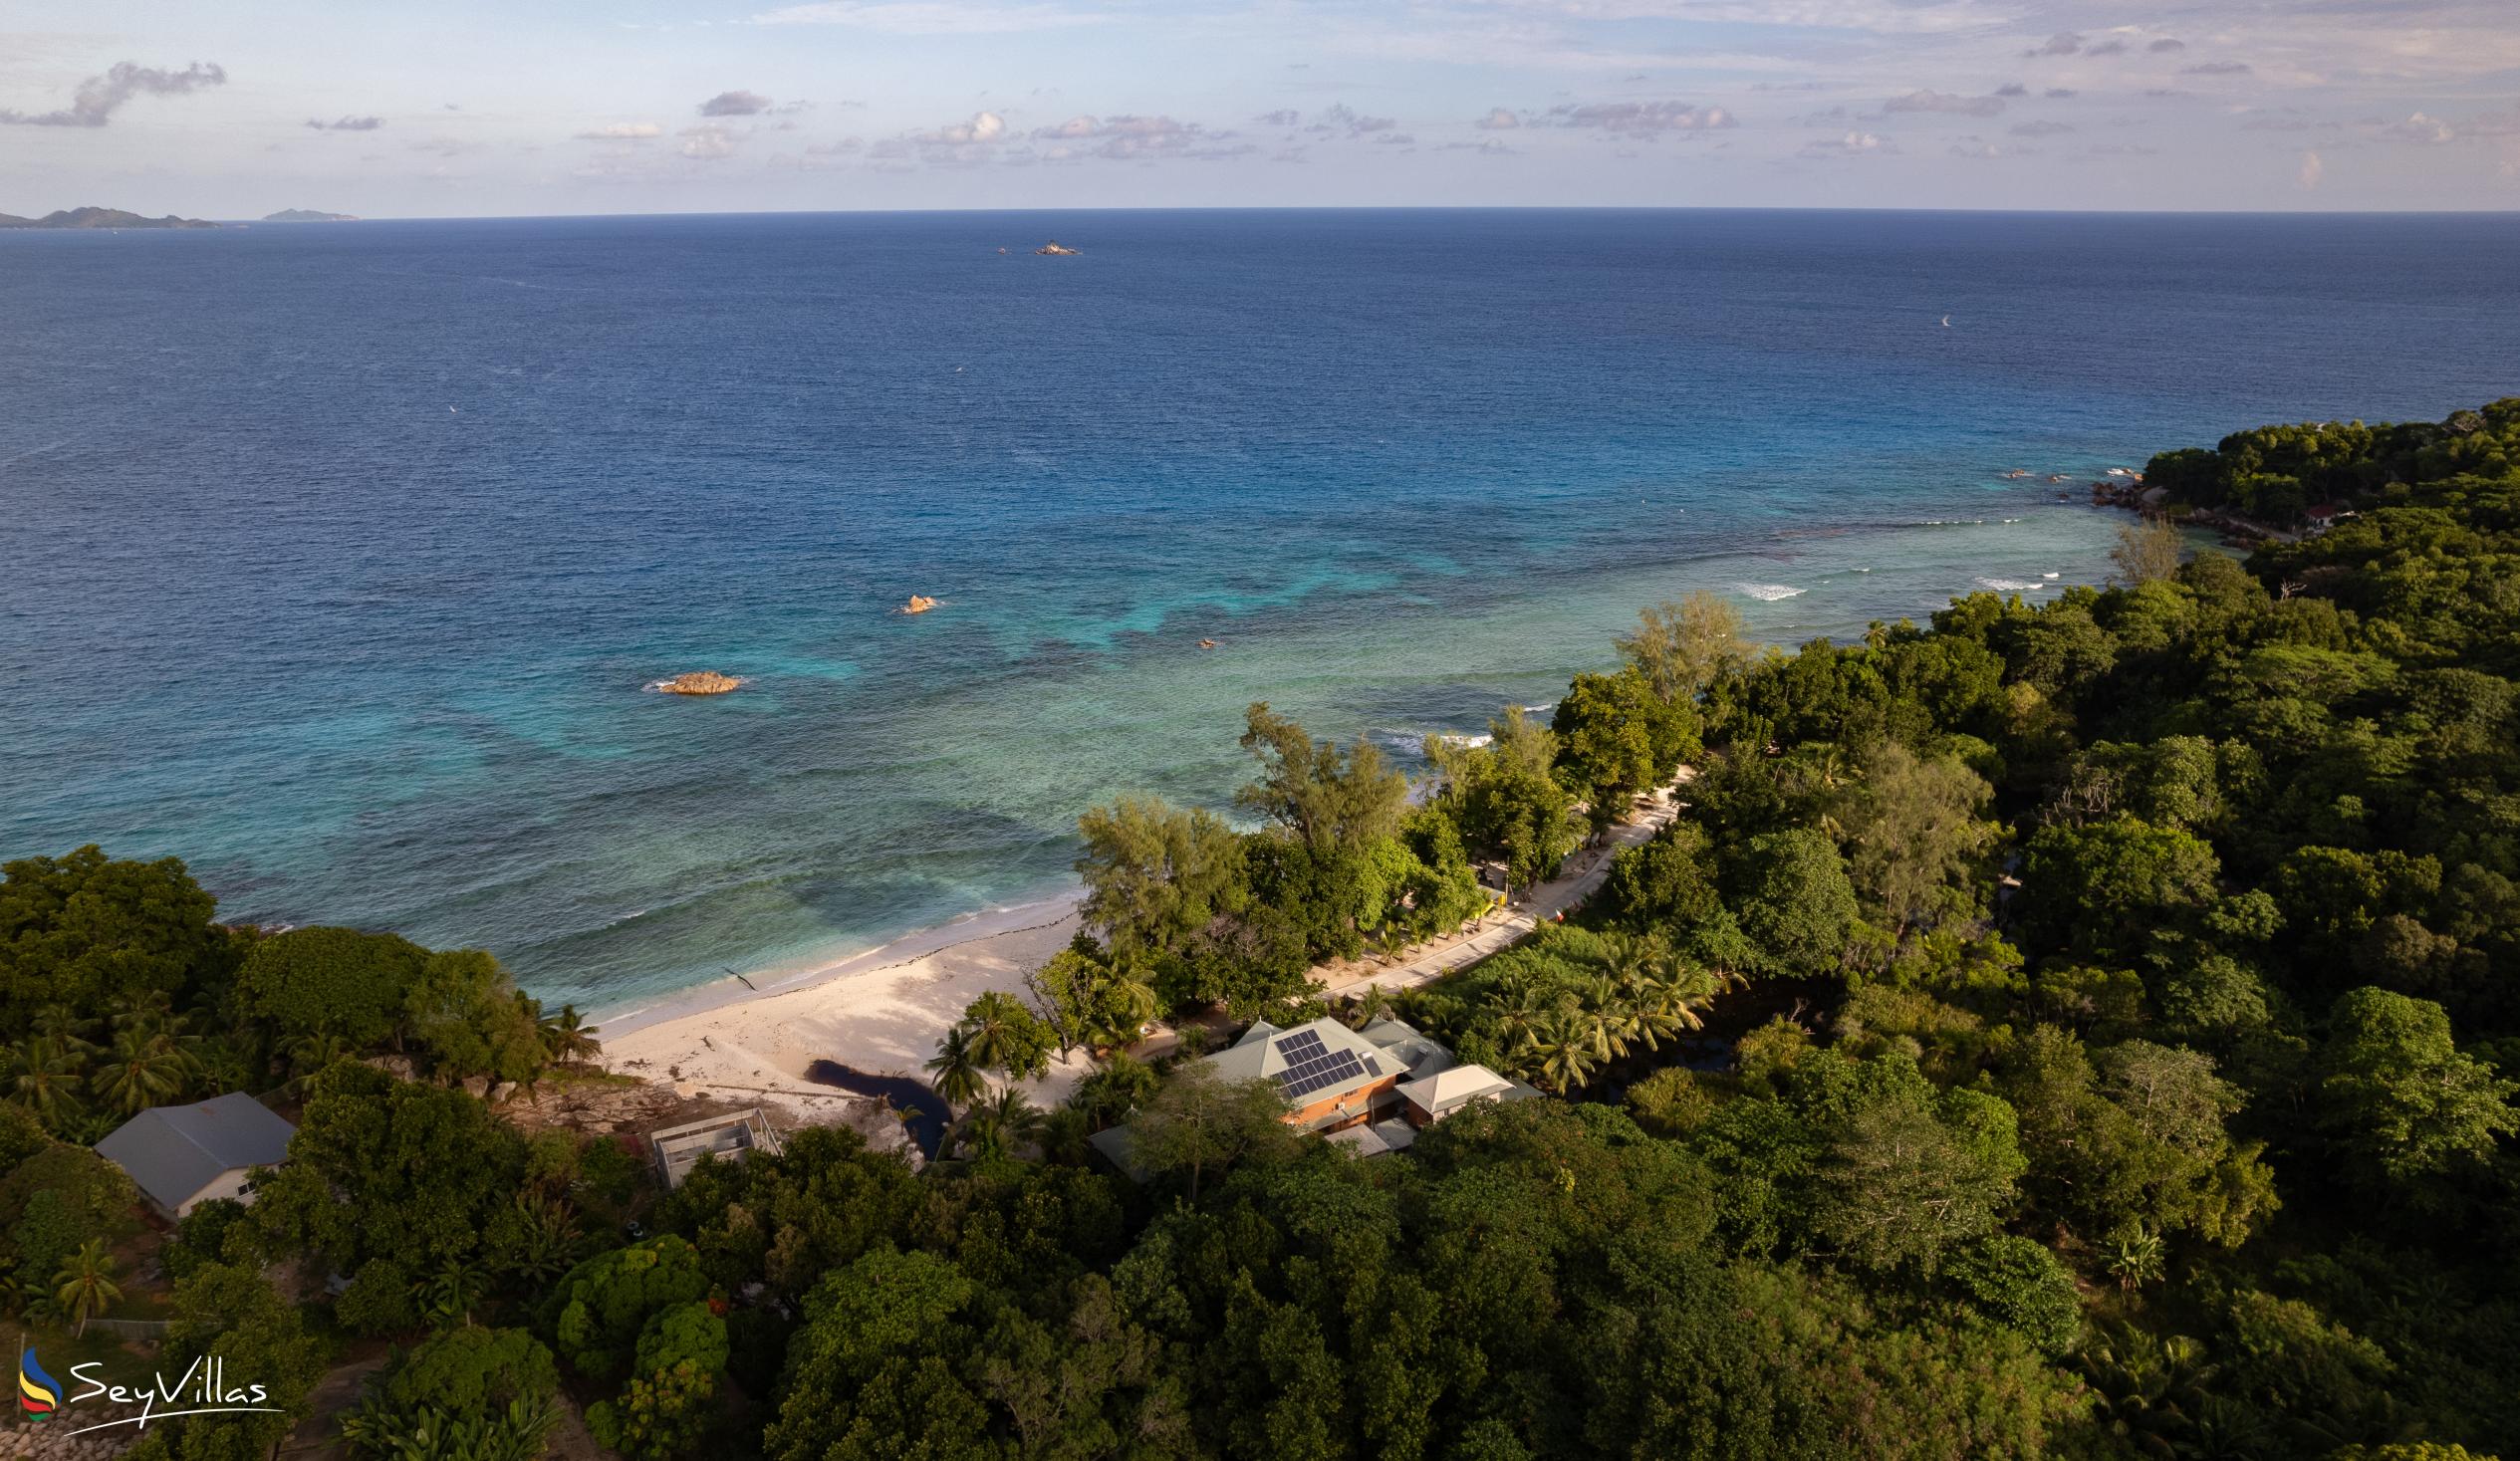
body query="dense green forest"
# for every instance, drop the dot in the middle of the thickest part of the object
(2120, 1012)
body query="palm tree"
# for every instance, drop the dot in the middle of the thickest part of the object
(1518, 1023)
(146, 1070)
(65, 1027)
(1565, 1048)
(148, 1010)
(547, 1238)
(1669, 1007)
(1631, 958)
(954, 1071)
(1000, 1125)
(1608, 1022)
(2135, 1255)
(448, 1295)
(84, 1286)
(224, 1067)
(568, 1037)
(1131, 1001)
(45, 1077)
(992, 1032)
(316, 1049)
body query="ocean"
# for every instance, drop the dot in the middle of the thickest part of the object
(337, 558)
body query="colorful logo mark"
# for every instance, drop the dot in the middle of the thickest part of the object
(39, 1394)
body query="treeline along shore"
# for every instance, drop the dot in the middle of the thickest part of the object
(2146, 1086)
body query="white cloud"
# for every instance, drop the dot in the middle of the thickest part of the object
(1852, 144)
(1642, 118)
(1945, 102)
(623, 131)
(2313, 168)
(708, 142)
(1498, 119)
(2419, 128)
(1125, 136)
(930, 17)
(1345, 120)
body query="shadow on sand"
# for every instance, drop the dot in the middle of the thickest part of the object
(923, 1110)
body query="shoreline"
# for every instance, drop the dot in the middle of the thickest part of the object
(879, 1012)
(738, 987)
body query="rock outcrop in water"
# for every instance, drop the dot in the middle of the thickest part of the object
(700, 682)
(919, 603)
(1055, 247)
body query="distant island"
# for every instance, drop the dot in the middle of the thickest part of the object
(308, 215)
(99, 218)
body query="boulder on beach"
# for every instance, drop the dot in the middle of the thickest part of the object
(700, 682)
(919, 603)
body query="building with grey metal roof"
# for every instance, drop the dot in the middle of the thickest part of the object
(181, 1156)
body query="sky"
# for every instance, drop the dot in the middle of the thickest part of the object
(463, 107)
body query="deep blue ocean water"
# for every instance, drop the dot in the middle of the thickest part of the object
(337, 557)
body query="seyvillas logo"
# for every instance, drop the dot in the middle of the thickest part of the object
(39, 1394)
(202, 1390)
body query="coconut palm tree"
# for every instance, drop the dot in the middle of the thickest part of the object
(316, 1049)
(1518, 1022)
(45, 1077)
(148, 1010)
(85, 1285)
(1607, 1020)
(146, 1069)
(1669, 1007)
(1001, 1125)
(221, 1066)
(954, 1071)
(1631, 958)
(65, 1027)
(1565, 1048)
(568, 1037)
(1131, 1001)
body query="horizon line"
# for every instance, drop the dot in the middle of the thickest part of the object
(1994, 211)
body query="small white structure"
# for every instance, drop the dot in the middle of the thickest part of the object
(181, 1156)
(1432, 1098)
(679, 1148)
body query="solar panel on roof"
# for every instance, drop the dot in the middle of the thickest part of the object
(1300, 1044)
(1330, 1068)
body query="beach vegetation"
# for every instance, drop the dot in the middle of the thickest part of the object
(1005, 1036)
(1327, 797)
(2147, 552)
(1505, 797)
(1617, 736)
(1681, 647)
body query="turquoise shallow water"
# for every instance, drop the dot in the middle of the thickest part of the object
(338, 557)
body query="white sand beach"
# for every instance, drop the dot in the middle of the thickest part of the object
(880, 1013)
